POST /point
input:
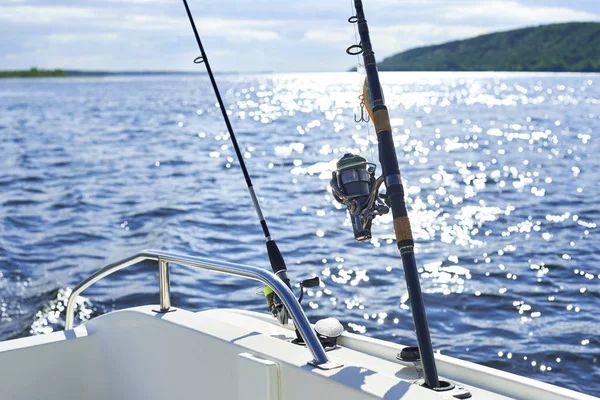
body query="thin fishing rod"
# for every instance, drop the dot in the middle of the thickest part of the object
(275, 257)
(395, 194)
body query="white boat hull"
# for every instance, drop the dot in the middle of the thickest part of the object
(138, 353)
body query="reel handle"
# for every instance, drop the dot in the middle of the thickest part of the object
(312, 282)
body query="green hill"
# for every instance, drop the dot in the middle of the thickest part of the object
(570, 47)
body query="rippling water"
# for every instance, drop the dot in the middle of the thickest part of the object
(500, 170)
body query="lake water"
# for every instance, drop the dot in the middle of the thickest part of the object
(501, 173)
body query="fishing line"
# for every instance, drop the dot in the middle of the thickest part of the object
(360, 70)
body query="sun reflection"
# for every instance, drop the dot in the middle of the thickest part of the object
(49, 318)
(487, 162)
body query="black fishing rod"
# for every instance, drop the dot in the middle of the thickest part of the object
(275, 258)
(354, 184)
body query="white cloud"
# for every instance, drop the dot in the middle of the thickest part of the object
(330, 35)
(307, 35)
(242, 29)
(44, 14)
(66, 38)
(513, 13)
(139, 1)
(393, 39)
(231, 28)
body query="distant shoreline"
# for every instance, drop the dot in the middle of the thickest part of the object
(67, 73)
(32, 73)
(60, 73)
(17, 74)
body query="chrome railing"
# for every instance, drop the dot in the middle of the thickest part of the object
(164, 259)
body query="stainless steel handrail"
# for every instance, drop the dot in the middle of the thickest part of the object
(165, 258)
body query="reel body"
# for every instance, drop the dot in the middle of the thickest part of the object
(354, 185)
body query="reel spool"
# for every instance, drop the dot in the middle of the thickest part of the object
(354, 185)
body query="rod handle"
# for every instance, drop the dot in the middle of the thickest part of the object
(276, 260)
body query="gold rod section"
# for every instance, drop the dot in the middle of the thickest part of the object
(381, 120)
(402, 229)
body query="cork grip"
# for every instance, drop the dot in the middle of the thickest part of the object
(381, 119)
(402, 229)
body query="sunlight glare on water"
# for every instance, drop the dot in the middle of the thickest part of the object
(500, 172)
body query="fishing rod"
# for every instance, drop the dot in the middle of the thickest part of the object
(354, 185)
(275, 257)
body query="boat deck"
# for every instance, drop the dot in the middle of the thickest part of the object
(139, 353)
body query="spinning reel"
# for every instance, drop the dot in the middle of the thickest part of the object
(354, 185)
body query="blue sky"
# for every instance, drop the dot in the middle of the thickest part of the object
(258, 35)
